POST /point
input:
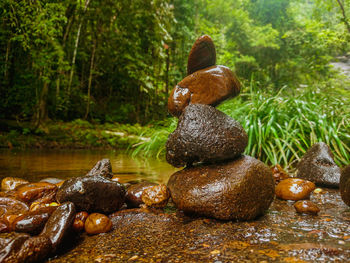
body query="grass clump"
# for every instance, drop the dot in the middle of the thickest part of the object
(282, 126)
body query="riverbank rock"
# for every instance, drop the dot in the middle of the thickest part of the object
(10, 183)
(102, 168)
(97, 223)
(13, 206)
(202, 54)
(345, 185)
(92, 194)
(42, 191)
(241, 189)
(306, 207)
(294, 189)
(134, 192)
(205, 134)
(156, 196)
(208, 86)
(10, 245)
(318, 166)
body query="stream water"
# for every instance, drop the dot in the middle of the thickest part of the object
(35, 165)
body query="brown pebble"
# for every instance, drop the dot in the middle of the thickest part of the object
(294, 189)
(279, 174)
(306, 207)
(10, 183)
(79, 221)
(31, 192)
(4, 227)
(97, 223)
(156, 196)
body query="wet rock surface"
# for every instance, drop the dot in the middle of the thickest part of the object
(10, 245)
(205, 134)
(102, 168)
(10, 205)
(345, 185)
(156, 196)
(294, 189)
(281, 235)
(97, 223)
(208, 86)
(35, 191)
(202, 54)
(306, 207)
(92, 194)
(238, 190)
(318, 166)
(134, 193)
(10, 183)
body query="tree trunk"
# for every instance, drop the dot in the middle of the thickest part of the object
(42, 112)
(76, 48)
(345, 19)
(90, 79)
(7, 58)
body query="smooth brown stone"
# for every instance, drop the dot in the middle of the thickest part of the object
(34, 191)
(97, 223)
(12, 206)
(306, 207)
(59, 223)
(34, 249)
(4, 227)
(10, 183)
(134, 193)
(294, 189)
(79, 221)
(202, 54)
(9, 219)
(278, 173)
(102, 168)
(318, 166)
(205, 134)
(208, 86)
(33, 222)
(242, 189)
(344, 185)
(10, 245)
(156, 196)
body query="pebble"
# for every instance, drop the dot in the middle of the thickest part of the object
(10, 183)
(294, 189)
(97, 223)
(156, 196)
(306, 207)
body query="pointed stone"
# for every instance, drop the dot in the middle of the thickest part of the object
(205, 134)
(318, 166)
(208, 86)
(202, 54)
(241, 189)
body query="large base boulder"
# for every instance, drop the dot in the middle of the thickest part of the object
(318, 166)
(344, 185)
(205, 134)
(238, 190)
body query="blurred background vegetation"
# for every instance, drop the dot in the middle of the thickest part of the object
(108, 66)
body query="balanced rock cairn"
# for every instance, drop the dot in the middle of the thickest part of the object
(218, 180)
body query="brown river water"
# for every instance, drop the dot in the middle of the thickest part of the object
(35, 165)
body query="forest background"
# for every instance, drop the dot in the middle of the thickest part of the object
(97, 73)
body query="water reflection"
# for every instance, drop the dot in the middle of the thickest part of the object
(34, 165)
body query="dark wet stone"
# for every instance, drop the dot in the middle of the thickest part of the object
(202, 54)
(59, 223)
(10, 205)
(10, 183)
(4, 227)
(208, 86)
(205, 134)
(306, 207)
(102, 168)
(79, 221)
(318, 166)
(34, 191)
(92, 194)
(33, 222)
(97, 223)
(134, 193)
(294, 189)
(344, 185)
(238, 190)
(10, 245)
(34, 249)
(156, 196)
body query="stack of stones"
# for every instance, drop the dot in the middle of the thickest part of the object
(218, 181)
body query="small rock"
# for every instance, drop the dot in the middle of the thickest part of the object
(34, 249)
(10, 245)
(202, 54)
(278, 173)
(97, 223)
(156, 196)
(4, 227)
(205, 134)
(294, 189)
(306, 207)
(345, 185)
(59, 223)
(79, 221)
(10, 205)
(134, 193)
(208, 86)
(238, 190)
(10, 183)
(92, 194)
(33, 191)
(102, 168)
(318, 166)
